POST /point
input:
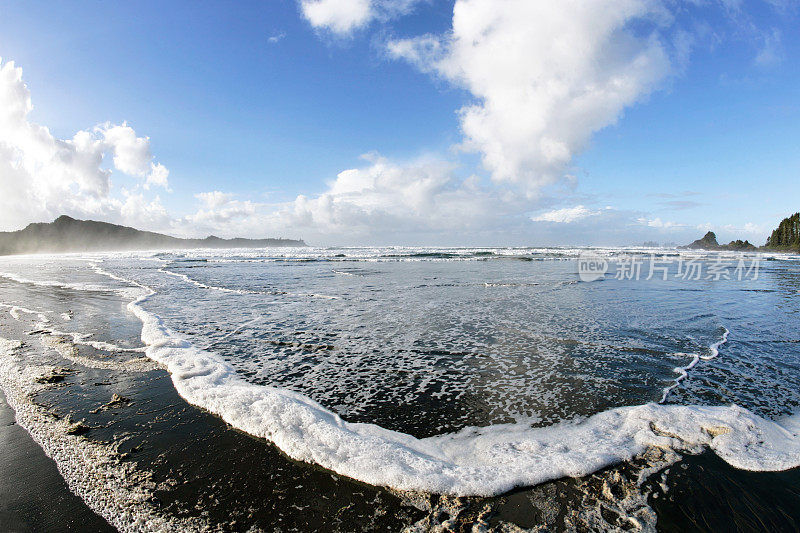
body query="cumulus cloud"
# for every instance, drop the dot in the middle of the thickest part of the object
(338, 16)
(141, 212)
(421, 195)
(218, 209)
(342, 17)
(131, 153)
(157, 177)
(545, 75)
(43, 176)
(423, 202)
(380, 199)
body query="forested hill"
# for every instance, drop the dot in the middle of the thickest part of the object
(66, 234)
(786, 235)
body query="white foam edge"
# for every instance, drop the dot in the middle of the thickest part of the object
(77, 338)
(83, 339)
(683, 371)
(475, 461)
(112, 489)
(196, 283)
(64, 285)
(202, 285)
(16, 310)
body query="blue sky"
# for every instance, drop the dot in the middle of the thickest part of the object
(252, 104)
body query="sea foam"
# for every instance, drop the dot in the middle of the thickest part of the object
(475, 461)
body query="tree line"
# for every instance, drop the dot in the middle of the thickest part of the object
(787, 234)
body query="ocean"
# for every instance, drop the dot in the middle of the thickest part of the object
(414, 387)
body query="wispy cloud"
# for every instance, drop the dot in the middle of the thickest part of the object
(566, 215)
(678, 205)
(659, 224)
(771, 50)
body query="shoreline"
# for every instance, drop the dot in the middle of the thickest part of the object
(33, 495)
(184, 466)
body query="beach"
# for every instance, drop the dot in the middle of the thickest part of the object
(136, 453)
(34, 496)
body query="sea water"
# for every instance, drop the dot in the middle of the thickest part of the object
(458, 371)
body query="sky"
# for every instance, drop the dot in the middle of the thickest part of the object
(404, 122)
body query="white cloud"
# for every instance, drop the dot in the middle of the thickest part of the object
(545, 75)
(157, 176)
(342, 17)
(219, 209)
(424, 202)
(422, 195)
(42, 176)
(566, 215)
(338, 16)
(214, 199)
(139, 212)
(381, 199)
(131, 153)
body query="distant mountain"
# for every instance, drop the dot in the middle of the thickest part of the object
(787, 235)
(709, 242)
(66, 234)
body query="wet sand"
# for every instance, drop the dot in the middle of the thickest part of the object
(193, 468)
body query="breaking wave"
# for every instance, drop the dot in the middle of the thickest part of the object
(474, 461)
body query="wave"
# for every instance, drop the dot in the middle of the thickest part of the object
(16, 311)
(508, 284)
(90, 287)
(345, 273)
(475, 461)
(202, 285)
(84, 339)
(49, 283)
